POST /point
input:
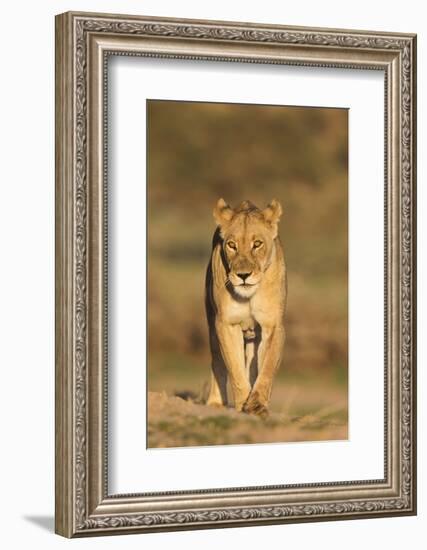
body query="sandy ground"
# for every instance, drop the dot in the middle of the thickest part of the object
(177, 422)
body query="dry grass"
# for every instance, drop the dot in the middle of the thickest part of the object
(174, 422)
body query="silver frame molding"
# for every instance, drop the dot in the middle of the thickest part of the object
(83, 43)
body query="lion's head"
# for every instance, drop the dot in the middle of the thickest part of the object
(248, 235)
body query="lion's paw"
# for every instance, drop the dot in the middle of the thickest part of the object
(253, 405)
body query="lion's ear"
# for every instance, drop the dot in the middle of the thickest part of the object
(222, 213)
(272, 214)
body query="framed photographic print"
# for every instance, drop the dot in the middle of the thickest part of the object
(235, 274)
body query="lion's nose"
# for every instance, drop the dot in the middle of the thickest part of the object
(244, 276)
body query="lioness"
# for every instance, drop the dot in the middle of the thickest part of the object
(245, 304)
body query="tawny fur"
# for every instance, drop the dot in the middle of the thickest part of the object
(245, 305)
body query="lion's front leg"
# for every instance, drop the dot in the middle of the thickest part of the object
(218, 386)
(230, 340)
(269, 357)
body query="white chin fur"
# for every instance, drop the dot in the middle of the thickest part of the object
(245, 291)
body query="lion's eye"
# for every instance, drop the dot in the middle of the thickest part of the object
(232, 245)
(257, 244)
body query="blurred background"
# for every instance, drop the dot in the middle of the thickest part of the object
(199, 152)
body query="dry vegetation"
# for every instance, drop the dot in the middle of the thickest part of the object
(198, 153)
(175, 422)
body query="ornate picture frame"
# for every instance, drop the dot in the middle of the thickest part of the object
(84, 42)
